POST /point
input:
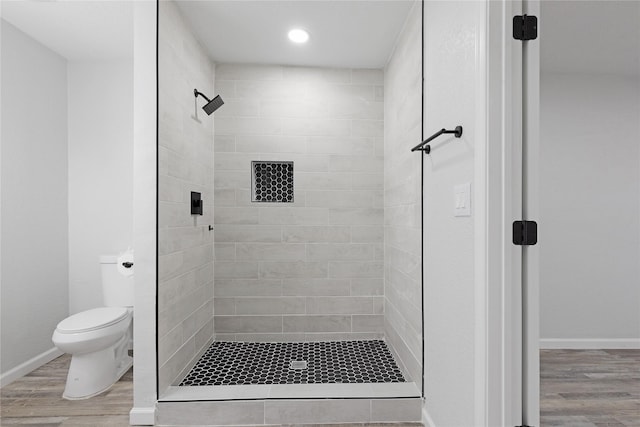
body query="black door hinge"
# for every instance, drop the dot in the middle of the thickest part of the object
(525, 233)
(525, 27)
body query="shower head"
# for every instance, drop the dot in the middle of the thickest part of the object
(212, 104)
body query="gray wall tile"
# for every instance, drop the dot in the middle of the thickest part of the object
(367, 234)
(316, 287)
(340, 145)
(368, 323)
(248, 324)
(234, 233)
(236, 270)
(263, 305)
(339, 199)
(224, 143)
(293, 216)
(316, 323)
(367, 286)
(322, 181)
(339, 251)
(271, 251)
(185, 262)
(314, 234)
(402, 192)
(356, 216)
(270, 144)
(288, 270)
(228, 215)
(368, 76)
(224, 306)
(305, 115)
(225, 197)
(340, 305)
(224, 251)
(247, 287)
(355, 269)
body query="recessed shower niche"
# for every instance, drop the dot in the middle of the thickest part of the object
(287, 297)
(272, 182)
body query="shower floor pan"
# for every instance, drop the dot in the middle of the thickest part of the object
(233, 370)
(250, 363)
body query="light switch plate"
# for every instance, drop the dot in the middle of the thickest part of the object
(462, 200)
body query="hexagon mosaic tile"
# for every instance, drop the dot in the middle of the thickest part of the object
(237, 363)
(272, 181)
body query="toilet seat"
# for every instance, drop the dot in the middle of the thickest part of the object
(91, 320)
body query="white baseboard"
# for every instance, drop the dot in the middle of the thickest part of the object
(142, 416)
(29, 366)
(590, 344)
(426, 418)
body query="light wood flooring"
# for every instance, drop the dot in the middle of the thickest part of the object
(36, 400)
(587, 388)
(579, 388)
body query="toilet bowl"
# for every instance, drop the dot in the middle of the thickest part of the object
(97, 340)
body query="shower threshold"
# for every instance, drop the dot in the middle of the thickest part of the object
(292, 391)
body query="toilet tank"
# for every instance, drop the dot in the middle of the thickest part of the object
(117, 289)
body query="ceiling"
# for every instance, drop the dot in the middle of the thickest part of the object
(590, 36)
(76, 30)
(576, 36)
(343, 33)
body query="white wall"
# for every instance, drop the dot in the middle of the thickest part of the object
(100, 172)
(590, 208)
(589, 230)
(144, 211)
(454, 95)
(34, 196)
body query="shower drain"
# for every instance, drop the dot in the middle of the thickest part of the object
(298, 364)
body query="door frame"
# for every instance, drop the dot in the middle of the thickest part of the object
(512, 356)
(531, 211)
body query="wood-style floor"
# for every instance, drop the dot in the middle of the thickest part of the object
(579, 388)
(587, 388)
(36, 400)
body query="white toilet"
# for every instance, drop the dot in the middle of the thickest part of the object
(98, 339)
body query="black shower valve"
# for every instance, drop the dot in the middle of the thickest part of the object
(196, 203)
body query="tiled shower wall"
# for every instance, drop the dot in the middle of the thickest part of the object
(402, 188)
(311, 269)
(185, 245)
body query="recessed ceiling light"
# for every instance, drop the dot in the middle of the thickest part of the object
(298, 35)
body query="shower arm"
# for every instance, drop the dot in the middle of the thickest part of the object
(196, 93)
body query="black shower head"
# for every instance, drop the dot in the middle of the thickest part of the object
(212, 104)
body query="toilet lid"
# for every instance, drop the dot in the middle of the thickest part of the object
(91, 320)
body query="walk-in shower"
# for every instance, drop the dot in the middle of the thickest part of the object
(302, 277)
